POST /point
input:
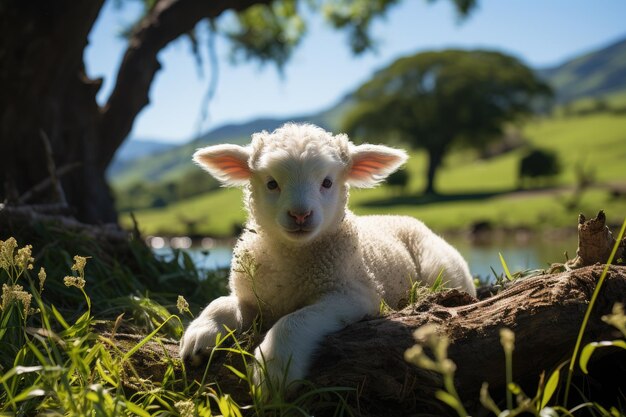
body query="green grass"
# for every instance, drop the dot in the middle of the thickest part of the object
(216, 212)
(52, 364)
(596, 142)
(55, 364)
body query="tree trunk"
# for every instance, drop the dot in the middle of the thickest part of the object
(435, 157)
(45, 93)
(545, 312)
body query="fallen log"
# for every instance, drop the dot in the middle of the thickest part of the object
(545, 312)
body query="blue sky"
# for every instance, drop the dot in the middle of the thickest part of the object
(542, 33)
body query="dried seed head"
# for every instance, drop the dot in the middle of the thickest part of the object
(79, 264)
(15, 293)
(72, 281)
(7, 248)
(182, 304)
(507, 339)
(42, 278)
(186, 408)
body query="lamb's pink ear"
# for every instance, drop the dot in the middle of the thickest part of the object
(371, 164)
(227, 163)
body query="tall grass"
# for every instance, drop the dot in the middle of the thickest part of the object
(60, 363)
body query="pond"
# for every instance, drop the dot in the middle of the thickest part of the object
(520, 252)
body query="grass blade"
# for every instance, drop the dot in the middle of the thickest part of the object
(506, 268)
(592, 302)
(550, 388)
(146, 339)
(588, 350)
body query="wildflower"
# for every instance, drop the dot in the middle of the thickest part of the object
(79, 264)
(429, 336)
(7, 248)
(447, 366)
(23, 260)
(72, 281)
(186, 408)
(487, 401)
(507, 339)
(42, 278)
(15, 293)
(426, 333)
(182, 304)
(417, 356)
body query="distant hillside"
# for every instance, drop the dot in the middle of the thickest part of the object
(173, 163)
(593, 74)
(134, 149)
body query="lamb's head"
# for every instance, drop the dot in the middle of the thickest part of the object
(297, 177)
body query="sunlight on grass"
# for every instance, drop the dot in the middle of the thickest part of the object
(472, 189)
(51, 365)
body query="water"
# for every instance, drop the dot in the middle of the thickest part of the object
(537, 253)
(218, 257)
(519, 252)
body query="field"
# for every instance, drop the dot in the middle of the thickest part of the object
(471, 189)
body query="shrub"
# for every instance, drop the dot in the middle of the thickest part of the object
(538, 163)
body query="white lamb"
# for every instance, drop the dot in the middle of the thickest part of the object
(319, 267)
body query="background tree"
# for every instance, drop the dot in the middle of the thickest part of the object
(50, 120)
(538, 163)
(433, 100)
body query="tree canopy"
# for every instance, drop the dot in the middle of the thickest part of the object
(433, 100)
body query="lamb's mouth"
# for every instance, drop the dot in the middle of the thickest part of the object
(299, 232)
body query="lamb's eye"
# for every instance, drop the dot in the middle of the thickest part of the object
(327, 183)
(272, 185)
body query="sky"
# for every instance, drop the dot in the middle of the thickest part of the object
(542, 33)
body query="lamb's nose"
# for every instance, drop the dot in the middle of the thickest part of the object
(301, 217)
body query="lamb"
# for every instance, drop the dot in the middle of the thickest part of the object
(319, 267)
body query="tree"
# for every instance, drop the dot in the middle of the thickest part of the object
(52, 131)
(433, 100)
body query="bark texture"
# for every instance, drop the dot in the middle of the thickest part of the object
(545, 313)
(45, 92)
(596, 242)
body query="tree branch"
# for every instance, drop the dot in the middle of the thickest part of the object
(168, 20)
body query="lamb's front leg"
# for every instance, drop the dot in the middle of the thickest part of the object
(287, 348)
(200, 336)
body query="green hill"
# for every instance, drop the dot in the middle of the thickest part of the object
(473, 190)
(600, 73)
(150, 185)
(595, 74)
(173, 164)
